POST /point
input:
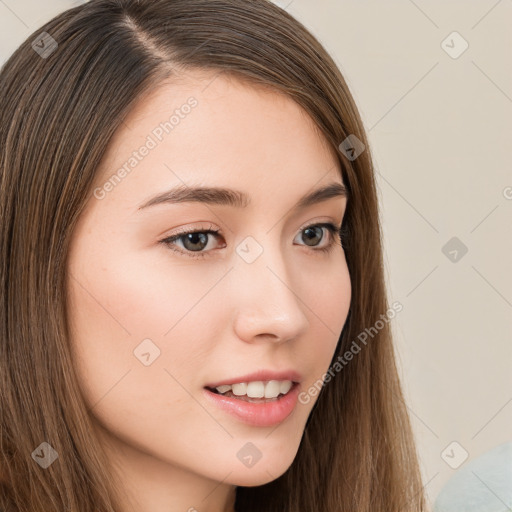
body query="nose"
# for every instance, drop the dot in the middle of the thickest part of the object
(268, 304)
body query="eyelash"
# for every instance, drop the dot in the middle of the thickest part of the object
(332, 229)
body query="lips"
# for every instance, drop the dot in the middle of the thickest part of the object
(259, 412)
(260, 375)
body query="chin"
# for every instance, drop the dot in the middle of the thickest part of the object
(261, 473)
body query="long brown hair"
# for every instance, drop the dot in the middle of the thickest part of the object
(58, 112)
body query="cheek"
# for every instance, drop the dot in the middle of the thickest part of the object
(328, 304)
(120, 311)
(142, 315)
(126, 297)
(326, 291)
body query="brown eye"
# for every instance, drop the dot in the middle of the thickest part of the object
(313, 234)
(194, 242)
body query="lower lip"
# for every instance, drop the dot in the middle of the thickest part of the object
(264, 414)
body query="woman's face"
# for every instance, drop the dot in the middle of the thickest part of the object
(153, 323)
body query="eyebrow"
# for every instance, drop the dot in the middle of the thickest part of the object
(236, 198)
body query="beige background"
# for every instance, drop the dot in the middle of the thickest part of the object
(440, 131)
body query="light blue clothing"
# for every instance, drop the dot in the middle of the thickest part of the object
(484, 484)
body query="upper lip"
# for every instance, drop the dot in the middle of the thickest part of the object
(260, 375)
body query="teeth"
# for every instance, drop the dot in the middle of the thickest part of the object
(272, 389)
(239, 389)
(286, 386)
(257, 389)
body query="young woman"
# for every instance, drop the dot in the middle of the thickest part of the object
(194, 315)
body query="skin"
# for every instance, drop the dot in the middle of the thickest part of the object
(211, 318)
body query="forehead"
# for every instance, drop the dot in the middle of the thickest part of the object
(211, 128)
